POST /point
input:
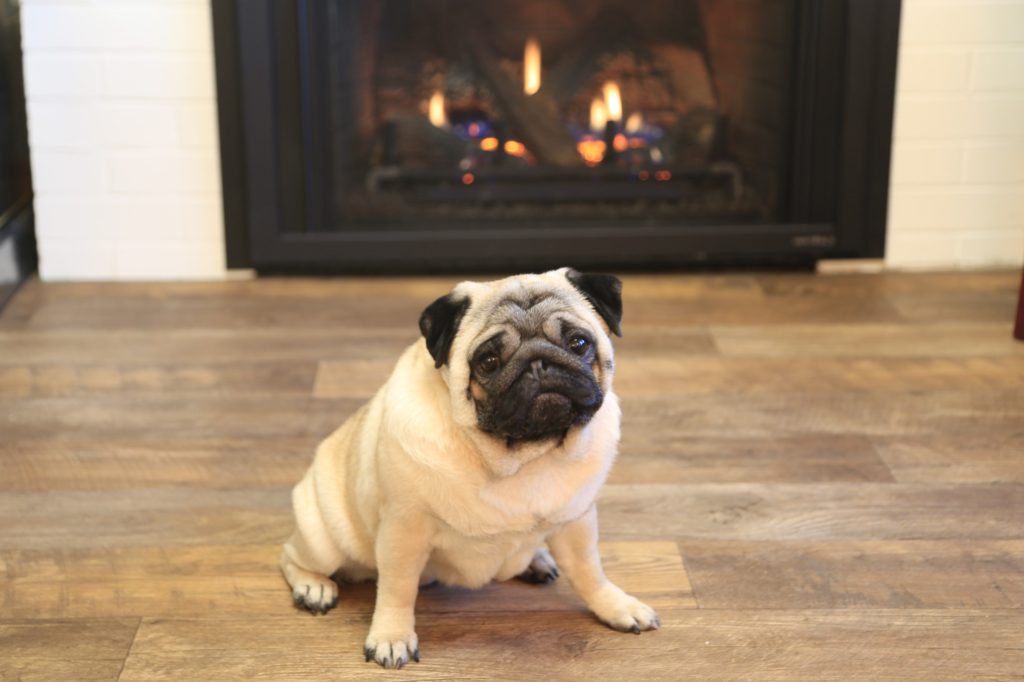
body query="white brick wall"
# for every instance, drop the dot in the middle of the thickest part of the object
(957, 187)
(123, 129)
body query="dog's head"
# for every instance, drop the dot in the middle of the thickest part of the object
(527, 358)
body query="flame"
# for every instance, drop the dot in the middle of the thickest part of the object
(620, 143)
(634, 123)
(591, 150)
(531, 67)
(612, 100)
(435, 110)
(489, 144)
(515, 148)
(598, 115)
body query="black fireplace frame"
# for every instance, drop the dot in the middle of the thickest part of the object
(838, 191)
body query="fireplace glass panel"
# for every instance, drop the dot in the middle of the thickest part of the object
(536, 112)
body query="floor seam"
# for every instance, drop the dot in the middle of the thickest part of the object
(135, 635)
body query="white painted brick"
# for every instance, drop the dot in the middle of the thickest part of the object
(956, 207)
(931, 117)
(66, 218)
(62, 123)
(994, 162)
(97, 124)
(133, 74)
(958, 116)
(65, 74)
(925, 69)
(64, 172)
(996, 116)
(156, 260)
(77, 260)
(988, 248)
(112, 26)
(921, 249)
(56, 25)
(961, 21)
(926, 162)
(197, 124)
(180, 217)
(164, 172)
(1001, 69)
(155, 26)
(138, 124)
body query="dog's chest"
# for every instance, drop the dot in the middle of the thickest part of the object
(498, 529)
(458, 559)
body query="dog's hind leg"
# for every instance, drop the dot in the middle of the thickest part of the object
(312, 589)
(310, 556)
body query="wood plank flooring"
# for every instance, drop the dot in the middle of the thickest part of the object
(821, 478)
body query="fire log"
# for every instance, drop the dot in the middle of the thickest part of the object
(535, 117)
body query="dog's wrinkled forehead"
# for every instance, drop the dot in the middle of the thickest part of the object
(529, 315)
(527, 310)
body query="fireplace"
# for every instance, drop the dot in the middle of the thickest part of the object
(395, 135)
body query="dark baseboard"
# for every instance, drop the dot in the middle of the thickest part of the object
(17, 250)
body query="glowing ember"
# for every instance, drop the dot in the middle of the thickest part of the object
(598, 115)
(473, 130)
(644, 175)
(662, 175)
(435, 110)
(489, 144)
(531, 67)
(612, 101)
(620, 143)
(515, 148)
(591, 150)
(634, 123)
(468, 179)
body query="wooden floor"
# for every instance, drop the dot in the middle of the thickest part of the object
(820, 478)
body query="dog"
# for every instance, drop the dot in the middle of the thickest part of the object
(479, 459)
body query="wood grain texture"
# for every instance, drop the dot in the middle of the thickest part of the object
(813, 511)
(820, 478)
(81, 649)
(61, 380)
(802, 458)
(220, 580)
(62, 463)
(851, 574)
(972, 456)
(699, 644)
(870, 339)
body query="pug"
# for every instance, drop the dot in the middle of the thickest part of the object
(479, 459)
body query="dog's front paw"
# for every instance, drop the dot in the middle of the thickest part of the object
(392, 650)
(623, 612)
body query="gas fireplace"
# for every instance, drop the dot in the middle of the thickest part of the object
(397, 135)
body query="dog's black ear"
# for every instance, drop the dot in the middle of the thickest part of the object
(439, 323)
(604, 292)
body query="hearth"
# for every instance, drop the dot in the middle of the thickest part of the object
(397, 135)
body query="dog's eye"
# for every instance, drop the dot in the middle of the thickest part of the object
(487, 363)
(579, 344)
